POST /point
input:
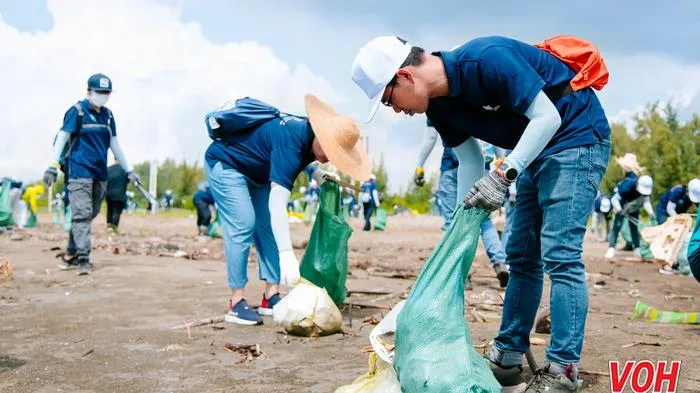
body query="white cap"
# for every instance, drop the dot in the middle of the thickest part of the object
(645, 185)
(373, 176)
(605, 205)
(375, 66)
(694, 190)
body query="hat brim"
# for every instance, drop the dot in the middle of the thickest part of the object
(354, 162)
(694, 196)
(374, 105)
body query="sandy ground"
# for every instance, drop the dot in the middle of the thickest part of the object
(111, 331)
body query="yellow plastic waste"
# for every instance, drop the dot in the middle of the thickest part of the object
(381, 378)
(30, 195)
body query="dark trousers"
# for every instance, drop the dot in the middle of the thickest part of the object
(368, 209)
(694, 261)
(617, 226)
(203, 213)
(114, 212)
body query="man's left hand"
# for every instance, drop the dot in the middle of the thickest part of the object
(488, 193)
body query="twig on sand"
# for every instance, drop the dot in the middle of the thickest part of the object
(598, 373)
(641, 343)
(203, 322)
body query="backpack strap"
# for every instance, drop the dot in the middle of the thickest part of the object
(74, 135)
(557, 92)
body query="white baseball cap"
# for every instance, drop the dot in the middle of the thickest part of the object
(605, 205)
(694, 190)
(375, 66)
(645, 185)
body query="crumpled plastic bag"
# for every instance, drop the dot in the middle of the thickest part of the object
(385, 328)
(434, 353)
(380, 378)
(308, 311)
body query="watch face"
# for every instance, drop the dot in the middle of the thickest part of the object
(511, 174)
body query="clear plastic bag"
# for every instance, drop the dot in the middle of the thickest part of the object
(380, 378)
(308, 311)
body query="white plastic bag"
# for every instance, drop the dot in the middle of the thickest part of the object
(308, 311)
(381, 378)
(386, 326)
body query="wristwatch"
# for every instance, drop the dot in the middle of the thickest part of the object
(508, 172)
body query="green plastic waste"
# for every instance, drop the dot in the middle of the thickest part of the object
(5, 205)
(380, 219)
(434, 352)
(31, 221)
(650, 314)
(67, 220)
(627, 236)
(325, 261)
(214, 228)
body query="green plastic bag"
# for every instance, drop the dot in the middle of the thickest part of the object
(214, 227)
(434, 352)
(5, 205)
(627, 237)
(31, 221)
(380, 221)
(67, 220)
(325, 261)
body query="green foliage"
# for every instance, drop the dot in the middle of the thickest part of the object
(182, 178)
(666, 147)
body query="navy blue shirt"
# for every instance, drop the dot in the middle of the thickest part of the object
(88, 157)
(627, 188)
(275, 151)
(492, 82)
(677, 195)
(204, 196)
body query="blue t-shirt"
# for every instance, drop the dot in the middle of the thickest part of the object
(677, 195)
(88, 157)
(492, 82)
(275, 151)
(627, 188)
(204, 196)
(367, 191)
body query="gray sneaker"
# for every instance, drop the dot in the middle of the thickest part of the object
(544, 381)
(66, 263)
(508, 377)
(502, 274)
(83, 267)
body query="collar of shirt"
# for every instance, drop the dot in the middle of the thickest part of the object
(450, 63)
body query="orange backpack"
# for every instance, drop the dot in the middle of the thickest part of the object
(582, 57)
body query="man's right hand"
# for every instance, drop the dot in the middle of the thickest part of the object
(50, 175)
(419, 177)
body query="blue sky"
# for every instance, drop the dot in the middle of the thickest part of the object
(651, 47)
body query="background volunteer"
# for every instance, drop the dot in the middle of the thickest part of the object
(493, 89)
(633, 193)
(251, 174)
(88, 131)
(601, 216)
(369, 194)
(203, 200)
(678, 200)
(447, 189)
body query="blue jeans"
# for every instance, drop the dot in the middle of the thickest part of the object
(555, 197)
(245, 217)
(509, 207)
(447, 190)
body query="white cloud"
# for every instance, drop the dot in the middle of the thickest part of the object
(166, 75)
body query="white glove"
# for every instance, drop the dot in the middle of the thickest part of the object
(321, 175)
(289, 268)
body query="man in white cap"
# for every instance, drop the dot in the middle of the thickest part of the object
(601, 215)
(678, 200)
(514, 96)
(251, 166)
(632, 194)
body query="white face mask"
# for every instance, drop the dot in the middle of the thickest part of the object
(98, 99)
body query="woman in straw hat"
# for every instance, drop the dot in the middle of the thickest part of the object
(251, 174)
(633, 193)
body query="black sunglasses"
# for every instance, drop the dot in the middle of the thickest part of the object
(392, 83)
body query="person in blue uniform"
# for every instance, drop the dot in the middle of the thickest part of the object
(203, 201)
(369, 196)
(80, 151)
(515, 96)
(251, 173)
(677, 200)
(601, 216)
